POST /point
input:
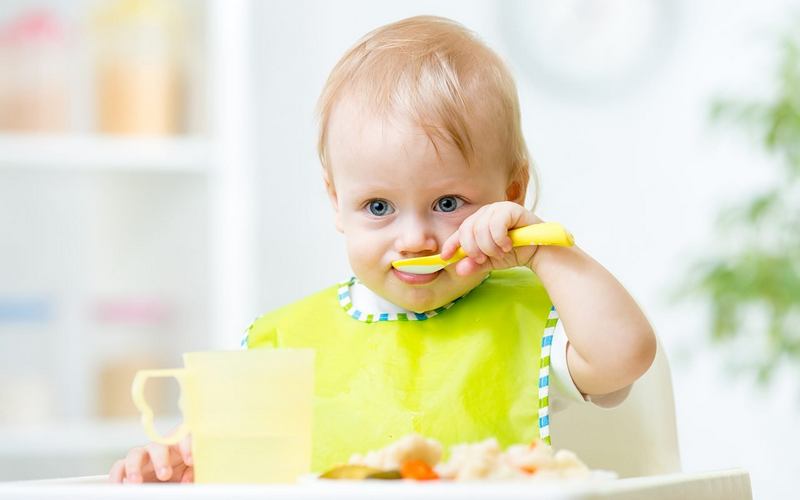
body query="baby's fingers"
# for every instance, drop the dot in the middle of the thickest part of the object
(498, 229)
(137, 464)
(160, 458)
(491, 235)
(450, 246)
(466, 237)
(117, 473)
(185, 447)
(188, 475)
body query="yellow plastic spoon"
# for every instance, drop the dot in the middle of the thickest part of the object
(547, 233)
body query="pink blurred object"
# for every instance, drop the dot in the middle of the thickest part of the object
(35, 26)
(138, 311)
(34, 66)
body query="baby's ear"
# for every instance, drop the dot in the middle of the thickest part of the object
(331, 189)
(518, 187)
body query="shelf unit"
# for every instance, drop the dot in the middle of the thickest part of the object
(87, 437)
(76, 153)
(215, 166)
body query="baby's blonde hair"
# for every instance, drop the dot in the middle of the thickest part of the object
(440, 75)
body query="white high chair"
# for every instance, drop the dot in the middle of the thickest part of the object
(638, 438)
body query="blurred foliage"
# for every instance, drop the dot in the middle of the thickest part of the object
(753, 285)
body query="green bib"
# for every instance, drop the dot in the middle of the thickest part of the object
(474, 369)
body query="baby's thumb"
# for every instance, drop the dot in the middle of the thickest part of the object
(468, 267)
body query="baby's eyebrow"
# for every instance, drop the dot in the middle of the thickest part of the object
(361, 197)
(374, 191)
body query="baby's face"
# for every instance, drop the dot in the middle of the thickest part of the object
(395, 199)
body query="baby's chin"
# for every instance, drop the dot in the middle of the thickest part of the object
(424, 298)
(424, 307)
(423, 302)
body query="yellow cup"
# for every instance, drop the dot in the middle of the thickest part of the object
(249, 412)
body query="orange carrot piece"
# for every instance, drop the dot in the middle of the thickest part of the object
(417, 470)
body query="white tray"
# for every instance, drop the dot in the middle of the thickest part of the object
(731, 484)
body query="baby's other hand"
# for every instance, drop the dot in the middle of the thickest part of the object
(484, 237)
(155, 462)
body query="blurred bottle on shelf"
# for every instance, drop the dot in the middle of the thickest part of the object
(132, 335)
(34, 73)
(114, 380)
(140, 71)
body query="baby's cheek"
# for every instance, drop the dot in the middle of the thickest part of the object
(362, 256)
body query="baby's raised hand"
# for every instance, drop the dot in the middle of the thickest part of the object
(484, 237)
(155, 462)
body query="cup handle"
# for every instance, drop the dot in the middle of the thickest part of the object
(137, 392)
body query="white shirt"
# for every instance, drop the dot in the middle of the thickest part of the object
(562, 388)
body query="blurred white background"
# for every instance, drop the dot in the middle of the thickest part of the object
(123, 247)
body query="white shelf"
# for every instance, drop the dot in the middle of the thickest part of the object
(85, 438)
(104, 153)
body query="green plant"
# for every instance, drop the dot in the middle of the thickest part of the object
(753, 285)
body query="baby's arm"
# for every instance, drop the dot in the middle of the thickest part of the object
(611, 343)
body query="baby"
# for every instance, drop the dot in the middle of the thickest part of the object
(422, 152)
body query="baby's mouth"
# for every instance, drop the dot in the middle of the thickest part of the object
(416, 279)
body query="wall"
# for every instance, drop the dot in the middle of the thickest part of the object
(638, 176)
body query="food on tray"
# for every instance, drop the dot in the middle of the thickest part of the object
(410, 447)
(417, 470)
(359, 472)
(418, 458)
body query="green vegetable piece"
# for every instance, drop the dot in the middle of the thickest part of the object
(356, 472)
(386, 474)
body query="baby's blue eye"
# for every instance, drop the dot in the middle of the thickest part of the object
(379, 208)
(449, 203)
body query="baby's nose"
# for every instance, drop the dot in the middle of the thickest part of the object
(417, 237)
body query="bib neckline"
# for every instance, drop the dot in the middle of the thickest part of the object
(347, 305)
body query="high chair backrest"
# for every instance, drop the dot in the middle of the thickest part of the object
(638, 438)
